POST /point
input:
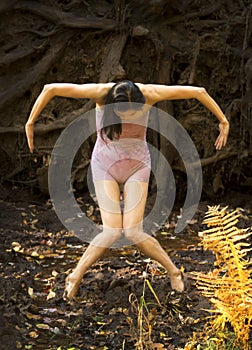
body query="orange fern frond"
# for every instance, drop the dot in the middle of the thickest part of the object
(229, 285)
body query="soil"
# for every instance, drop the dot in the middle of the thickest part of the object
(37, 254)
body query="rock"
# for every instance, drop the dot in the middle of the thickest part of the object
(139, 31)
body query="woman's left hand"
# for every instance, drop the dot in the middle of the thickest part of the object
(222, 138)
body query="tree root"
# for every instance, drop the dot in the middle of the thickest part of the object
(63, 18)
(112, 69)
(19, 54)
(202, 13)
(58, 124)
(207, 161)
(58, 43)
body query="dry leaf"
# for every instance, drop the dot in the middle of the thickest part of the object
(16, 246)
(51, 295)
(33, 334)
(32, 316)
(157, 346)
(34, 254)
(30, 292)
(42, 326)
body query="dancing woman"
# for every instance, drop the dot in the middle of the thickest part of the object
(121, 157)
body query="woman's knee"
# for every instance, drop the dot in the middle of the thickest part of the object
(115, 233)
(107, 237)
(135, 233)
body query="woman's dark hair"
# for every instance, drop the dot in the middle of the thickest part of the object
(125, 91)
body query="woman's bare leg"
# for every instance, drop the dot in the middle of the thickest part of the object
(73, 280)
(135, 199)
(108, 196)
(152, 249)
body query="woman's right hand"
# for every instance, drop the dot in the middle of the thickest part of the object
(29, 130)
(223, 135)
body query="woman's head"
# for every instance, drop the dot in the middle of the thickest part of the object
(123, 97)
(124, 91)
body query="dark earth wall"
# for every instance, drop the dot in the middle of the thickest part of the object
(184, 42)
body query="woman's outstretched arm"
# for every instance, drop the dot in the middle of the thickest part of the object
(156, 93)
(97, 92)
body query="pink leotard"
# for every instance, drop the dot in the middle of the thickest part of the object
(125, 159)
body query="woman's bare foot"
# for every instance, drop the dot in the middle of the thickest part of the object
(177, 281)
(71, 287)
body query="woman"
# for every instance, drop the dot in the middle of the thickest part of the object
(116, 161)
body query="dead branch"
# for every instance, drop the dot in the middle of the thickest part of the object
(65, 19)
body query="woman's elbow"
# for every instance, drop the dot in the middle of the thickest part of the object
(48, 87)
(202, 91)
(49, 90)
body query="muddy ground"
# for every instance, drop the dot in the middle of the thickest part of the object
(37, 253)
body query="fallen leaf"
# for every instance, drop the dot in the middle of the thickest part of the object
(30, 292)
(33, 334)
(157, 346)
(16, 246)
(54, 273)
(42, 326)
(51, 295)
(32, 316)
(34, 254)
(62, 321)
(164, 233)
